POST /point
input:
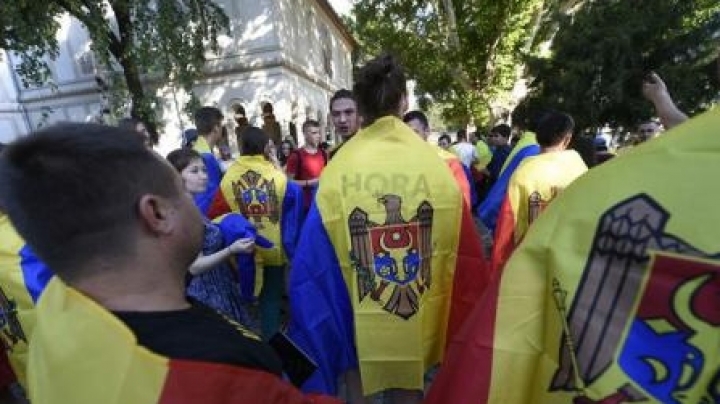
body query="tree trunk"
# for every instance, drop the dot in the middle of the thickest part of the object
(120, 48)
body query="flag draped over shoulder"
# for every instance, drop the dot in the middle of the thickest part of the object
(214, 172)
(489, 209)
(82, 354)
(253, 187)
(234, 227)
(613, 296)
(534, 185)
(379, 261)
(22, 278)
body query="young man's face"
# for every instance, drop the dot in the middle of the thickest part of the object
(312, 136)
(344, 117)
(648, 130)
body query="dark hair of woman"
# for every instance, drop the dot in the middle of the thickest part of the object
(182, 158)
(379, 88)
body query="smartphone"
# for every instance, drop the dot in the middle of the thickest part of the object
(297, 365)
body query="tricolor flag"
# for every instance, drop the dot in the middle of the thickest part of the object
(490, 208)
(388, 247)
(22, 278)
(82, 354)
(536, 183)
(614, 294)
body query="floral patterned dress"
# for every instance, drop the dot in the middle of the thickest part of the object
(218, 287)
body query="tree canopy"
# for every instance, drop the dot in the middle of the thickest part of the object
(164, 41)
(602, 52)
(585, 57)
(466, 55)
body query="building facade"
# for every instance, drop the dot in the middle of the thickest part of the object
(293, 54)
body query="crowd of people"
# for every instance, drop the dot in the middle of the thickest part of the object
(497, 268)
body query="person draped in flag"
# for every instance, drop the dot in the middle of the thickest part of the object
(115, 223)
(208, 121)
(387, 248)
(536, 183)
(258, 190)
(612, 297)
(526, 147)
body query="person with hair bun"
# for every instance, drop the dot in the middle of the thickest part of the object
(389, 262)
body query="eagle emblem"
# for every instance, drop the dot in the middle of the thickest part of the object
(257, 198)
(392, 260)
(12, 331)
(647, 301)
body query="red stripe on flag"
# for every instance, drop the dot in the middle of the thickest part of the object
(472, 274)
(504, 242)
(465, 375)
(190, 382)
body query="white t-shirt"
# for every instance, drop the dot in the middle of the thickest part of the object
(466, 152)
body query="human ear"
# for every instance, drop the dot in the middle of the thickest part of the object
(155, 213)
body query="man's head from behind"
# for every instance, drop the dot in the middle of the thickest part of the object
(344, 113)
(255, 142)
(418, 122)
(87, 197)
(208, 121)
(554, 130)
(499, 135)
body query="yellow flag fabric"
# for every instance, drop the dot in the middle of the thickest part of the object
(527, 139)
(255, 188)
(115, 371)
(484, 155)
(16, 304)
(394, 224)
(537, 182)
(613, 295)
(82, 354)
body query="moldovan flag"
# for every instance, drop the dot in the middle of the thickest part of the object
(82, 354)
(534, 185)
(388, 247)
(490, 208)
(22, 278)
(613, 296)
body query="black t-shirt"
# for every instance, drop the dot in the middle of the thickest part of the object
(200, 333)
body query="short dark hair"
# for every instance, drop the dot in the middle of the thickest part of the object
(379, 87)
(503, 130)
(552, 128)
(254, 141)
(445, 137)
(206, 118)
(416, 116)
(129, 124)
(71, 191)
(462, 134)
(310, 123)
(341, 95)
(181, 158)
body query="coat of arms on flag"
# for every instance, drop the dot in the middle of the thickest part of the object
(12, 331)
(648, 302)
(257, 198)
(392, 259)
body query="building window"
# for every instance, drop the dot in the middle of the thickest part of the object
(86, 62)
(326, 43)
